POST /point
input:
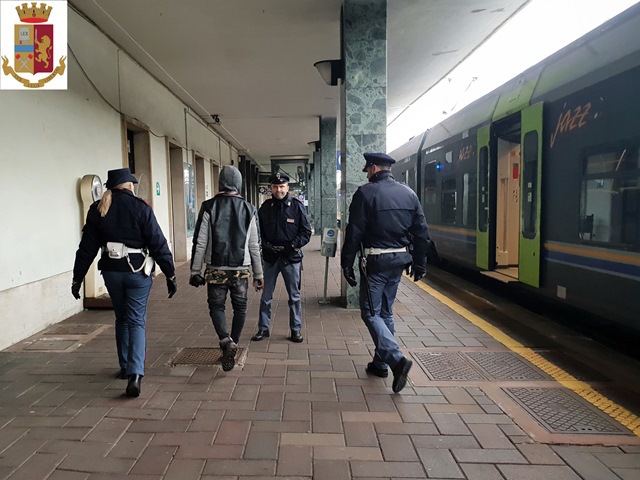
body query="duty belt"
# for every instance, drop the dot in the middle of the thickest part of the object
(380, 251)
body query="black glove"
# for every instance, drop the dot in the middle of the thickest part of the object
(350, 276)
(75, 289)
(418, 272)
(196, 280)
(288, 251)
(172, 286)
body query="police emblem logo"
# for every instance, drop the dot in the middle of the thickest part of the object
(35, 49)
(278, 175)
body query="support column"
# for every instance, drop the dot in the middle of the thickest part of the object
(317, 204)
(328, 173)
(363, 100)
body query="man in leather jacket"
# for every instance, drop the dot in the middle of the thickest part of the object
(226, 239)
(387, 222)
(284, 230)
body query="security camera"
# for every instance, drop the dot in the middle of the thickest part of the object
(215, 118)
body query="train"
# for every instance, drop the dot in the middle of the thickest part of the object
(537, 184)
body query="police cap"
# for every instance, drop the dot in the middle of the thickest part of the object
(118, 176)
(278, 178)
(377, 159)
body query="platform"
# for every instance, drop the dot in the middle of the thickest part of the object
(487, 399)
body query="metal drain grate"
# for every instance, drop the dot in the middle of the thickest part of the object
(72, 329)
(447, 366)
(561, 411)
(507, 366)
(200, 356)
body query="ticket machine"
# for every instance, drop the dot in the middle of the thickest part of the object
(95, 292)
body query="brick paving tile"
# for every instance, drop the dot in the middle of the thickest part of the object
(407, 428)
(20, 451)
(387, 469)
(181, 469)
(457, 396)
(477, 455)
(615, 460)
(40, 421)
(373, 417)
(339, 407)
(380, 402)
(458, 409)
(102, 476)
(38, 466)
(95, 464)
(450, 424)
(155, 426)
(537, 472)
(162, 400)
(312, 439)
(232, 432)
(627, 474)
(66, 475)
(131, 445)
(9, 434)
(108, 430)
(347, 453)
(540, 454)
(232, 452)
(49, 433)
(326, 422)
(398, 448)
(137, 414)
(240, 467)
(295, 461)
(154, 460)
(183, 410)
(262, 446)
(281, 426)
(82, 448)
(485, 418)
(413, 413)
(331, 470)
(480, 471)
(490, 436)
(360, 434)
(587, 465)
(183, 438)
(439, 463)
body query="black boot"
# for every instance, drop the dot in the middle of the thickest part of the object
(296, 336)
(260, 335)
(134, 386)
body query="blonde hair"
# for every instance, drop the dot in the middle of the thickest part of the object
(105, 202)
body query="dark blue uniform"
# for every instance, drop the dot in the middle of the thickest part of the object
(284, 230)
(384, 215)
(283, 223)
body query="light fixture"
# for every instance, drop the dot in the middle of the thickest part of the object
(330, 71)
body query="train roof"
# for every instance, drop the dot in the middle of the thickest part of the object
(614, 44)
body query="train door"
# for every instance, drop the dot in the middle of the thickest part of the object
(507, 222)
(485, 233)
(530, 184)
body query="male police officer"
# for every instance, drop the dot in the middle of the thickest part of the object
(385, 218)
(284, 230)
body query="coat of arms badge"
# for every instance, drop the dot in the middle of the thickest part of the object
(33, 46)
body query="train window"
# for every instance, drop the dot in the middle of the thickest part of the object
(483, 189)
(610, 198)
(530, 185)
(449, 197)
(429, 195)
(469, 199)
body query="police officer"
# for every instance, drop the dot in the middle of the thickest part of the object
(284, 230)
(387, 226)
(126, 230)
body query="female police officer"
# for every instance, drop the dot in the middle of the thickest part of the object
(126, 229)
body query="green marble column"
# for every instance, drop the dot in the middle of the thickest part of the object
(363, 99)
(328, 173)
(317, 207)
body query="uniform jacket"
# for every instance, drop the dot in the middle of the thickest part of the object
(385, 214)
(226, 235)
(130, 220)
(283, 223)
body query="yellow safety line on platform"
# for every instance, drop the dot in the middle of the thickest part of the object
(615, 411)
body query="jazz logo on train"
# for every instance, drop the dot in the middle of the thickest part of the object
(32, 57)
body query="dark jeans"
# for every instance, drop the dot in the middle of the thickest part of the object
(129, 293)
(384, 286)
(217, 296)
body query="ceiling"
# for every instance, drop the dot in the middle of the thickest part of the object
(251, 61)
